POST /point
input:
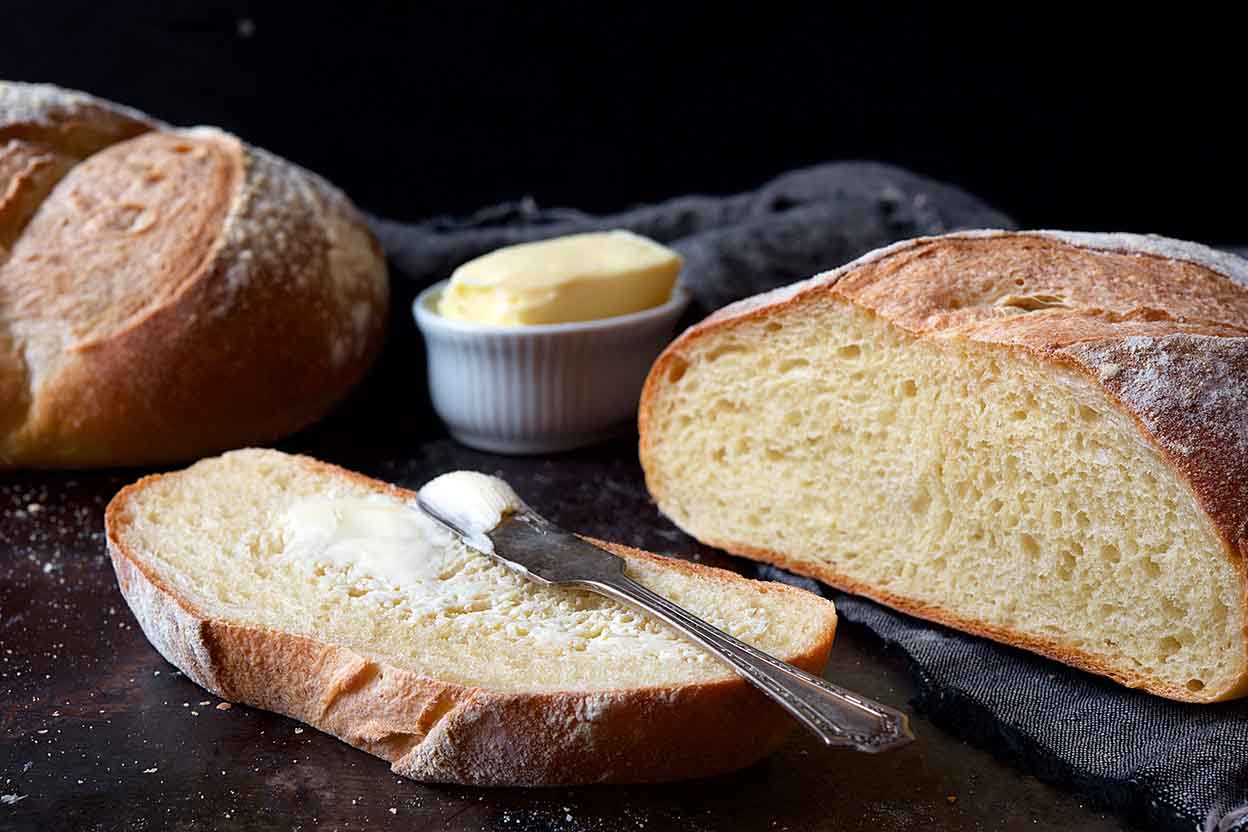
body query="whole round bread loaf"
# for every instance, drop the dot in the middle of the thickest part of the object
(167, 293)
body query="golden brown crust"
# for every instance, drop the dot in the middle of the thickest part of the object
(44, 132)
(1161, 326)
(175, 293)
(437, 731)
(28, 172)
(74, 123)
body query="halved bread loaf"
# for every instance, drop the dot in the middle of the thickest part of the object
(1038, 437)
(466, 672)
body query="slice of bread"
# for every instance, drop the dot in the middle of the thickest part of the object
(465, 673)
(1037, 437)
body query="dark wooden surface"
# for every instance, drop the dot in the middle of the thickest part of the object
(98, 732)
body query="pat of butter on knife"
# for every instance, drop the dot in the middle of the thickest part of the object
(581, 277)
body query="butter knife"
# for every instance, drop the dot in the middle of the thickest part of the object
(528, 543)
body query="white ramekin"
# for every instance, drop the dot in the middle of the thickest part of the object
(541, 388)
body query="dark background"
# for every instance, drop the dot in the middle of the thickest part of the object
(1122, 123)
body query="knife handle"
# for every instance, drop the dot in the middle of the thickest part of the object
(838, 716)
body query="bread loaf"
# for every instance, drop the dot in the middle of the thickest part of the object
(166, 293)
(453, 667)
(1039, 437)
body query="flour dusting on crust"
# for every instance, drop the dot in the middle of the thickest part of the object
(49, 106)
(1190, 393)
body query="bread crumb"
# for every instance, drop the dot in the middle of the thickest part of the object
(224, 706)
(951, 798)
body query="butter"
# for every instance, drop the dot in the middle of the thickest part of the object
(474, 502)
(581, 277)
(392, 542)
(377, 537)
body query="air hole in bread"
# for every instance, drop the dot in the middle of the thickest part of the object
(1065, 566)
(1033, 303)
(720, 352)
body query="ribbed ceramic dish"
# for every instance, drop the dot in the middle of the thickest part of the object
(541, 388)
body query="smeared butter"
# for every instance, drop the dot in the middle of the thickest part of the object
(390, 541)
(377, 537)
(580, 277)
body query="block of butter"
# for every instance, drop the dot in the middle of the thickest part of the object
(580, 277)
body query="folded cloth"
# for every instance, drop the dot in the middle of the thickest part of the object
(1166, 765)
(796, 225)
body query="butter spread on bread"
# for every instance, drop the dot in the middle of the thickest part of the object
(371, 538)
(240, 571)
(579, 277)
(1040, 437)
(389, 541)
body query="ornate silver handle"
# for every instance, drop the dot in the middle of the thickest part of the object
(838, 716)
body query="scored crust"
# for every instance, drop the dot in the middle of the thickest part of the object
(437, 731)
(167, 293)
(1160, 325)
